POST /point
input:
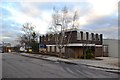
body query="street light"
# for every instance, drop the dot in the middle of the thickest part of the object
(60, 25)
(60, 45)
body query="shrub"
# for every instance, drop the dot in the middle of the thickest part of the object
(89, 54)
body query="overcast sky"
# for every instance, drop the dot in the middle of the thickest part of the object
(100, 16)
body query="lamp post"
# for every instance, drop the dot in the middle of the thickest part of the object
(60, 25)
(3, 49)
(60, 44)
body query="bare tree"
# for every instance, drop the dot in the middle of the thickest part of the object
(62, 21)
(29, 36)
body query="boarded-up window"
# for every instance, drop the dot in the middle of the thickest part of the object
(99, 37)
(84, 36)
(95, 37)
(53, 48)
(48, 38)
(57, 49)
(90, 37)
(48, 48)
(78, 36)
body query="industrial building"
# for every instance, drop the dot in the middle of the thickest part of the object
(75, 43)
(111, 47)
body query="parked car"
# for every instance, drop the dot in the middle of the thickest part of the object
(1, 50)
(22, 49)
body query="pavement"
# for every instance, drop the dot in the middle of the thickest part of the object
(108, 64)
(17, 66)
(0, 66)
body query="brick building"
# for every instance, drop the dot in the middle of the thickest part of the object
(78, 42)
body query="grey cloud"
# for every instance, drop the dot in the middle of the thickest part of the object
(107, 25)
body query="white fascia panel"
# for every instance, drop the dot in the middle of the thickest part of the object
(50, 45)
(98, 45)
(79, 45)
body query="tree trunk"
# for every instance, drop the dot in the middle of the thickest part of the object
(84, 52)
(60, 53)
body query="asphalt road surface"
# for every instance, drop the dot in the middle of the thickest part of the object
(17, 66)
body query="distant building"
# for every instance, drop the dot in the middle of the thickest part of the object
(111, 47)
(6, 47)
(6, 44)
(78, 42)
(1, 48)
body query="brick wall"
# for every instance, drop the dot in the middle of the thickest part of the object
(72, 36)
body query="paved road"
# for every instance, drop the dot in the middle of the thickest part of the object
(0, 65)
(16, 66)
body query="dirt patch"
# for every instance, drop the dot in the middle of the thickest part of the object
(116, 64)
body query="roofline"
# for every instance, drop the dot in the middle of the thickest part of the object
(78, 30)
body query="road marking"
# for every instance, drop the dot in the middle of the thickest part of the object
(69, 70)
(56, 62)
(78, 71)
(82, 73)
